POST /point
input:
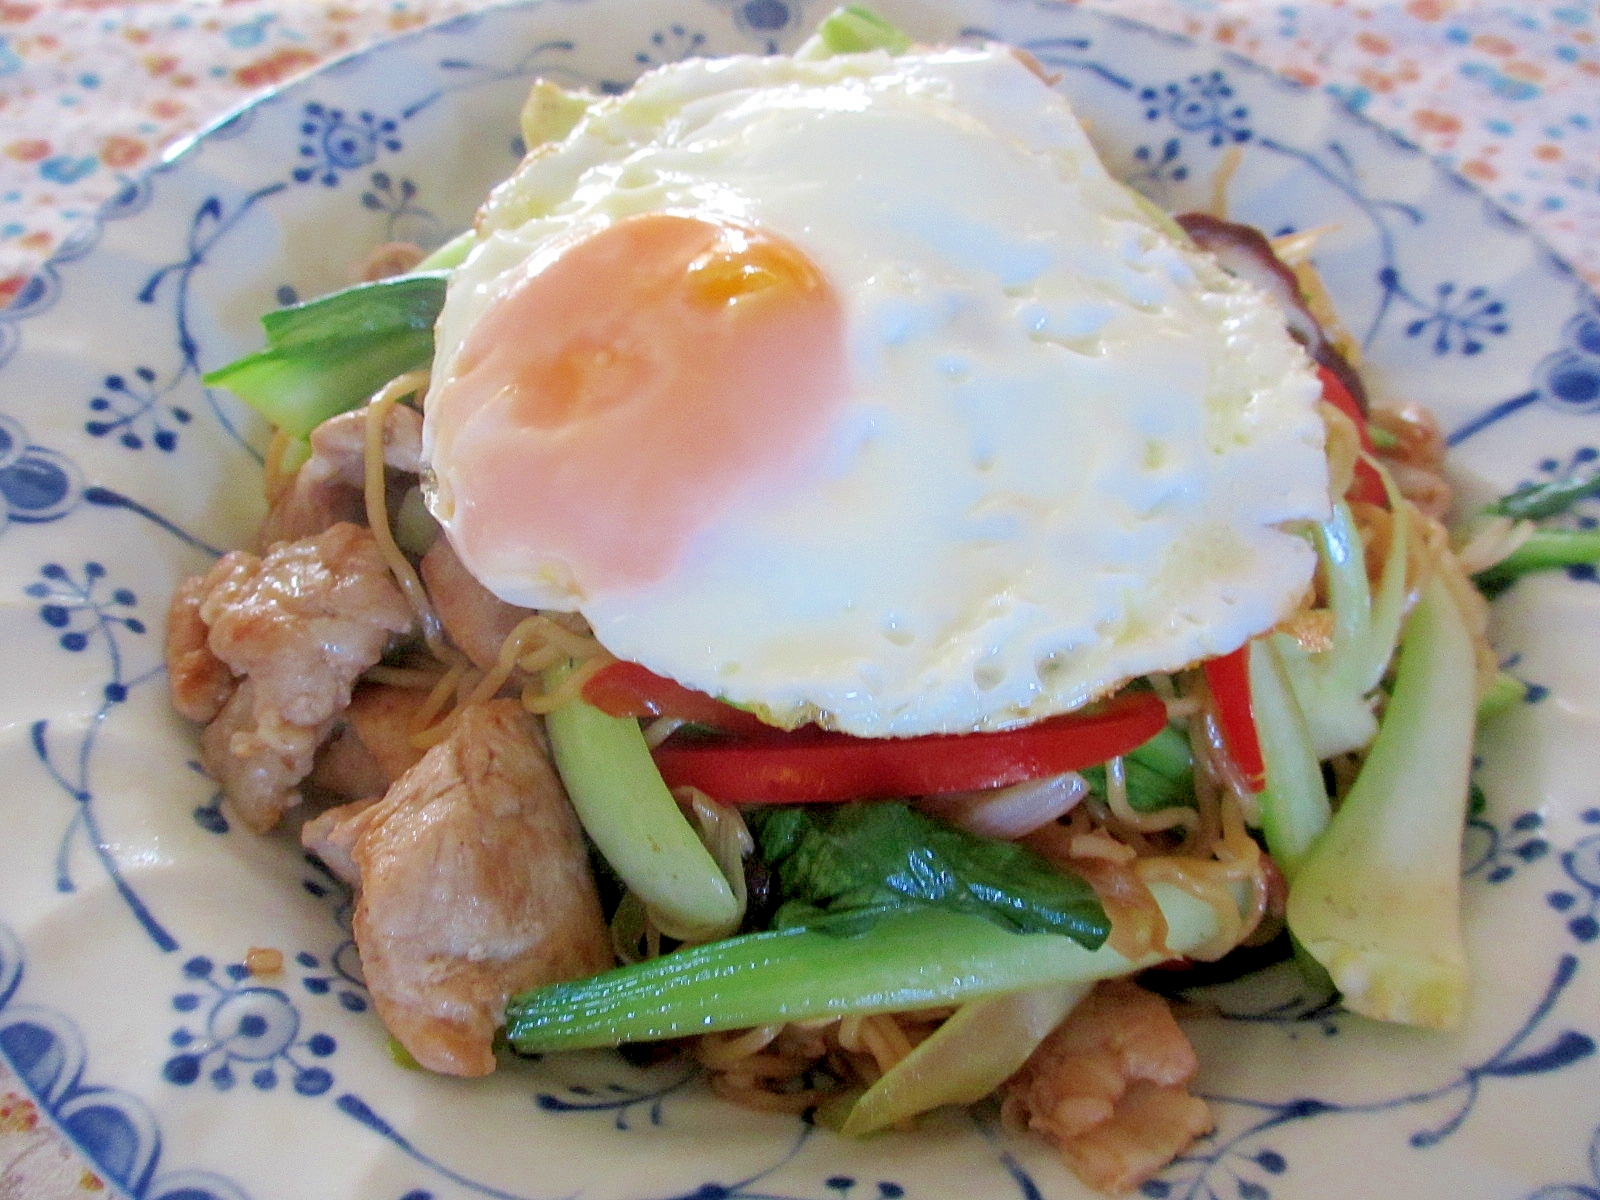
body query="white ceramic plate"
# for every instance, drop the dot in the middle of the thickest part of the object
(128, 898)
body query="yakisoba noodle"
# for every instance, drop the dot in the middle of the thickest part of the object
(800, 1065)
(537, 643)
(374, 490)
(1196, 853)
(1220, 864)
(1117, 849)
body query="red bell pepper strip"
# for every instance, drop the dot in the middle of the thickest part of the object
(1228, 678)
(813, 765)
(1366, 485)
(626, 689)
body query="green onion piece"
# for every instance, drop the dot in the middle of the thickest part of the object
(907, 959)
(636, 824)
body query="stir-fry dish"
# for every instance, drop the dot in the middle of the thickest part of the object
(824, 578)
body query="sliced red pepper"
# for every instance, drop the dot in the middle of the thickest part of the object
(626, 689)
(1228, 678)
(812, 765)
(1366, 485)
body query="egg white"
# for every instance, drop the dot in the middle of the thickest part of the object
(1072, 442)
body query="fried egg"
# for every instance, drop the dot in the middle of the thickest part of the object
(857, 391)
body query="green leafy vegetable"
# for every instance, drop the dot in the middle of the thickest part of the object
(1294, 803)
(1377, 901)
(915, 958)
(1382, 439)
(1334, 687)
(851, 859)
(1310, 706)
(1545, 549)
(328, 355)
(450, 255)
(1160, 773)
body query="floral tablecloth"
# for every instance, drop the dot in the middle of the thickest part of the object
(1506, 94)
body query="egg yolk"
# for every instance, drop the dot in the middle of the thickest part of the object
(615, 399)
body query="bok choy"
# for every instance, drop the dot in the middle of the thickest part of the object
(910, 958)
(1377, 900)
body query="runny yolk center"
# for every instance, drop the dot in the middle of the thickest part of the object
(611, 404)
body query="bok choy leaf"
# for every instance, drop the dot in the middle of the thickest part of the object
(850, 860)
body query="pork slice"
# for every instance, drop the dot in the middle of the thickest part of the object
(475, 619)
(199, 681)
(372, 747)
(329, 487)
(474, 884)
(299, 626)
(333, 833)
(259, 772)
(1109, 1088)
(305, 620)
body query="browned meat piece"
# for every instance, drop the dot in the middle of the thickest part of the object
(305, 620)
(332, 836)
(200, 681)
(372, 748)
(382, 718)
(474, 884)
(328, 487)
(477, 620)
(259, 774)
(1108, 1087)
(299, 626)
(345, 769)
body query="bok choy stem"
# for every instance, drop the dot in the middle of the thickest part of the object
(976, 1050)
(1377, 899)
(1294, 804)
(909, 959)
(633, 819)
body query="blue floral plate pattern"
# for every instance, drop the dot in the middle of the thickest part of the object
(129, 900)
